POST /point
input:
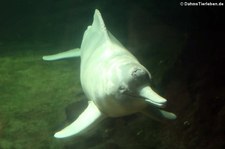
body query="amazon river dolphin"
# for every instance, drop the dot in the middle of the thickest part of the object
(113, 80)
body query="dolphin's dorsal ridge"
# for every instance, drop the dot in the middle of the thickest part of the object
(98, 23)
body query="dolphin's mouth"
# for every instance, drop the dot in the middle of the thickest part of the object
(152, 98)
(157, 104)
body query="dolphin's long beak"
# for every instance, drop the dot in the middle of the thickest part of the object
(152, 97)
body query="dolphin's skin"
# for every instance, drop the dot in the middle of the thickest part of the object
(113, 80)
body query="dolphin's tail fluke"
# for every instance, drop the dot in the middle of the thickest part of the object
(85, 122)
(67, 54)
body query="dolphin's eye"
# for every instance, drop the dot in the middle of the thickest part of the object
(122, 89)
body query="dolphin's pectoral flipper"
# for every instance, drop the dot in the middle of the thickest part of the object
(158, 114)
(66, 54)
(83, 123)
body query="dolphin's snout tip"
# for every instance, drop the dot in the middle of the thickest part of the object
(152, 97)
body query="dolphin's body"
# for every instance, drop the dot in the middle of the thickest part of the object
(113, 80)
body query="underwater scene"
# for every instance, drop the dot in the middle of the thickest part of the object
(113, 74)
